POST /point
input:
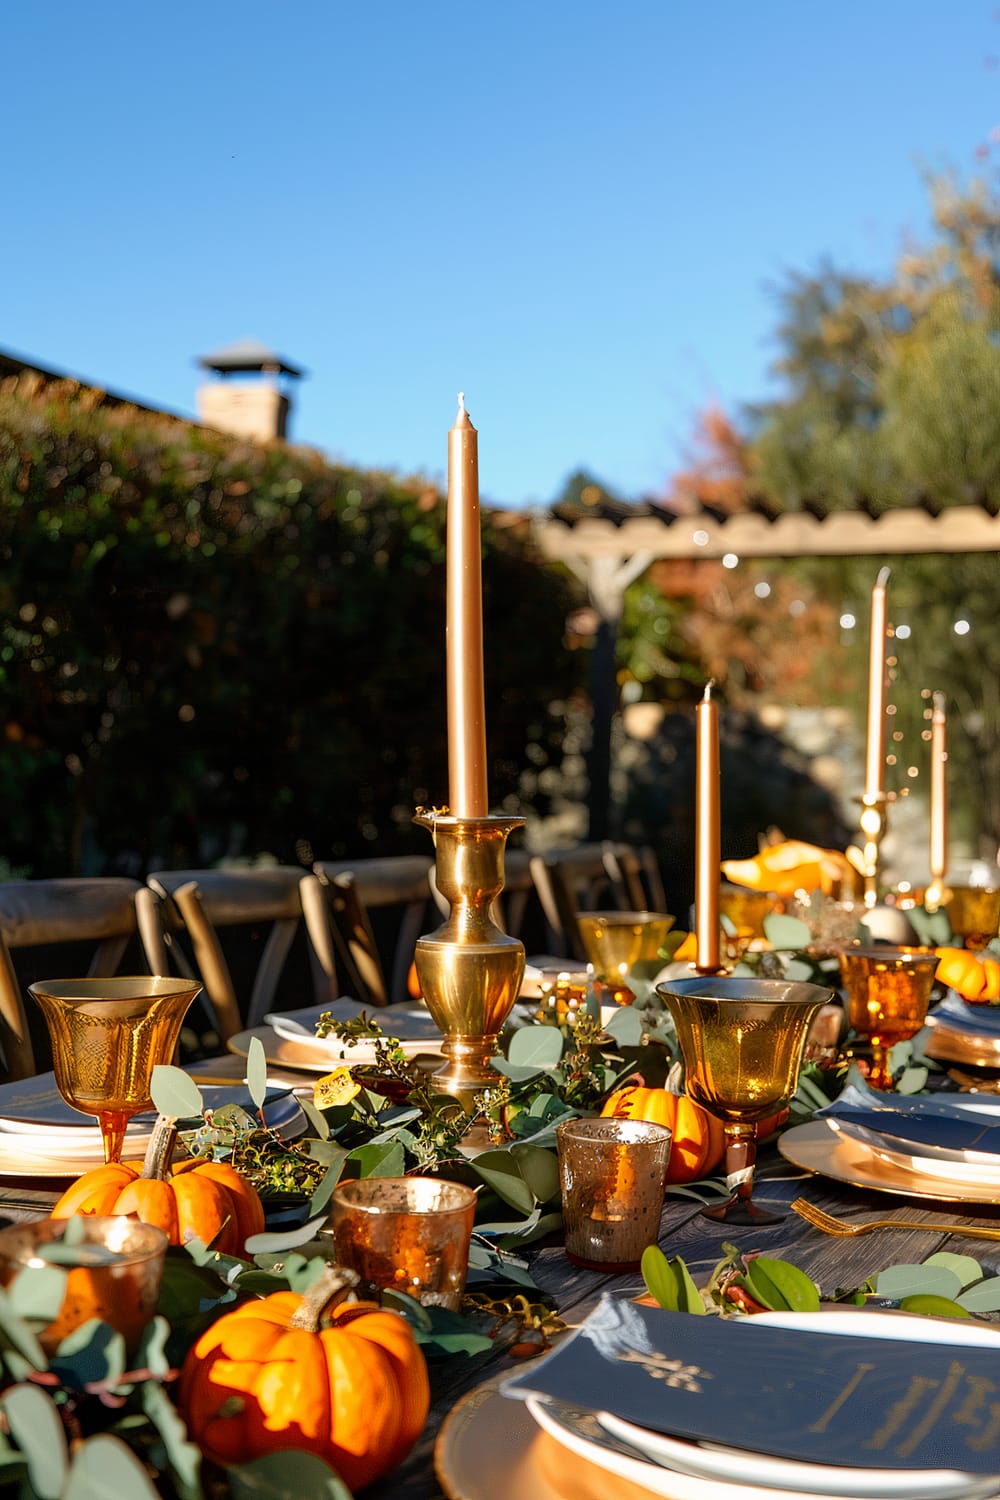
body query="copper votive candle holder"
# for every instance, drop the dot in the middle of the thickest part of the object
(408, 1234)
(114, 1271)
(612, 1175)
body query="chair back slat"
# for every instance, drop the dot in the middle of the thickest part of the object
(96, 911)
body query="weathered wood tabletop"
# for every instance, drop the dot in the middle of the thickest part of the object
(832, 1263)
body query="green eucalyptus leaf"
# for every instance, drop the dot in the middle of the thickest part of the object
(317, 1121)
(965, 1268)
(510, 1226)
(20, 1338)
(287, 1475)
(415, 1313)
(257, 1072)
(533, 1229)
(933, 1306)
(708, 1190)
(781, 1286)
(384, 1159)
(103, 1466)
(932, 928)
(320, 1200)
(500, 1171)
(152, 1351)
(982, 1296)
(797, 969)
(787, 933)
(94, 1353)
(327, 1153)
(183, 1456)
(273, 1242)
(515, 1071)
(175, 1093)
(911, 1081)
(727, 924)
(37, 1293)
(536, 1047)
(75, 1232)
(539, 1168)
(625, 1026)
(912, 1281)
(38, 1432)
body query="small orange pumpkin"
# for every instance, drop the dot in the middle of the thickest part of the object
(204, 1198)
(697, 1143)
(347, 1383)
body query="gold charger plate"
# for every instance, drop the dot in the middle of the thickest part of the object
(489, 1448)
(947, 1045)
(819, 1149)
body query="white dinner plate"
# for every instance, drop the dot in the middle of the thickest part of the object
(817, 1147)
(335, 1050)
(710, 1461)
(954, 1166)
(581, 1434)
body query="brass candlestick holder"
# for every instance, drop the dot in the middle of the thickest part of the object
(874, 817)
(470, 971)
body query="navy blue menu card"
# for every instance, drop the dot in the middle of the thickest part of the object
(817, 1397)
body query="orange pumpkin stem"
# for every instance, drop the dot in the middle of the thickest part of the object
(333, 1286)
(159, 1152)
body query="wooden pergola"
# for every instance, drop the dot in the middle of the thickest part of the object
(610, 544)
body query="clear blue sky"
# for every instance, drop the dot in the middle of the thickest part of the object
(571, 210)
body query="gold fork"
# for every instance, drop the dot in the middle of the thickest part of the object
(829, 1225)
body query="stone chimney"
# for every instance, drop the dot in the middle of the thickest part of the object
(256, 407)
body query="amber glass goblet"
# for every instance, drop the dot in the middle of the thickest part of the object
(616, 941)
(974, 913)
(741, 1041)
(888, 990)
(107, 1036)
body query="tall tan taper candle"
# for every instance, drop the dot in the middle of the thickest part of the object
(707, 839)
(939, 796)
(468, 796)
(875, 737)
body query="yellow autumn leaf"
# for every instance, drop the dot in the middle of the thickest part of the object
(335, 1088)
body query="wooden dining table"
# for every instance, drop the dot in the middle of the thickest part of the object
(832, 1263)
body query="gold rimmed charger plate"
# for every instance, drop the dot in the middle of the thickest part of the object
(817, 1148)
(977, 1051)
(489, 1448)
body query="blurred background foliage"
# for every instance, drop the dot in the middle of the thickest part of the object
(212, 648)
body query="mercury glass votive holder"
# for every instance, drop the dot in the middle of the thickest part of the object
(408, 1234)
(114, 1266)
(612, 1174)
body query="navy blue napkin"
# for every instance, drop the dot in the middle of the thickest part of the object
(816, 1397)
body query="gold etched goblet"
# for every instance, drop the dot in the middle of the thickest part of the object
(742, 1042)
(107, 1036)
(888, 991)
(616, 942)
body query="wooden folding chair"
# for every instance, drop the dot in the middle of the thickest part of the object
(96, 915)
(201, 904)
(344, 903)
(573, 880)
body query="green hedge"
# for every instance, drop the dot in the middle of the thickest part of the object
(211, 648)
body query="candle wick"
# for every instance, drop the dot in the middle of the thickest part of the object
(461, 401)
(709, 685)
(883, 578)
